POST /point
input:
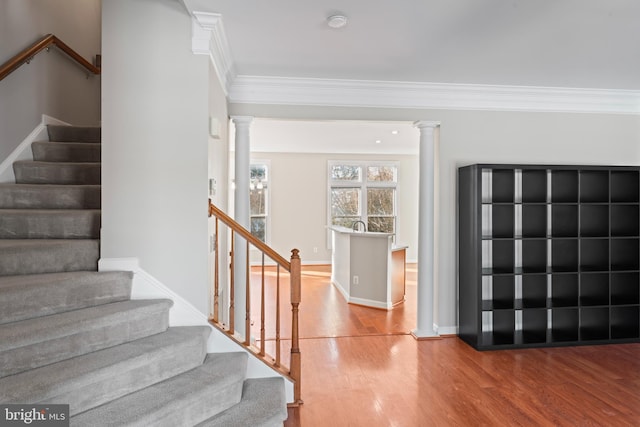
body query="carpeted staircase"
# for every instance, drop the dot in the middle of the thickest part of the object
(70, 334)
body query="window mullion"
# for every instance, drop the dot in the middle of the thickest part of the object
(364, 210)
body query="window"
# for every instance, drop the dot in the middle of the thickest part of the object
(258, 200)
(363, 191)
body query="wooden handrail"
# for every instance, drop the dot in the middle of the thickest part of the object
(246, 234)
(293, 267)
(27, 54)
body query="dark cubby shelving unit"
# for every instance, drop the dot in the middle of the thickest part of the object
(548, 255)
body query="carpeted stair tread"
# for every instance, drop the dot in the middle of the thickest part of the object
(49, 224)
(49, 196)
(46, 151)
(183, 400)
(63, 133)
(22, 295)
(263, 404)
(32, 343)
(88, 381)
(33, 172)
(70, 334)
(34, 256)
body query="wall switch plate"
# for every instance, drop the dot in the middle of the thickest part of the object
(356, 280)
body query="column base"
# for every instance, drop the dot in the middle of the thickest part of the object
(423, 335)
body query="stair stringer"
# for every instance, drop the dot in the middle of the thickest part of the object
(23, 150)
(183, 313)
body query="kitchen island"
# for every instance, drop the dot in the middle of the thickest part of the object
(367, 268)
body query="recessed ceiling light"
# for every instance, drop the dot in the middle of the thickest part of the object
(394, 132)
(378, 141)
(337, 21)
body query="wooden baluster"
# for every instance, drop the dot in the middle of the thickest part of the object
(295, 368)
(216, 280)
(277, 362)
(232, 286)
(247, 318)
(262, 331)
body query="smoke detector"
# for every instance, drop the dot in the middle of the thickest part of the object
(337, 21)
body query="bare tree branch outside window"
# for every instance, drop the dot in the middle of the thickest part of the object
(349, 192)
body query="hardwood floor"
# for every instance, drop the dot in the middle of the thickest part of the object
(361, 368)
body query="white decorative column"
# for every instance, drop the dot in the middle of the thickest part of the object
(426, 227)
(242, 215)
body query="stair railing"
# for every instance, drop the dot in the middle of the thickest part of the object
(294, 270)
(26, 55)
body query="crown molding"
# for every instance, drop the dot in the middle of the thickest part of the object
(209, 38)
(384, 94)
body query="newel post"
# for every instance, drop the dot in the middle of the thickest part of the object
(296, 367)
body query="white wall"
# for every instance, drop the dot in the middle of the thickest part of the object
(298, 187)
(155, 108)
(51, 84)
(468, 137)
(219, 188)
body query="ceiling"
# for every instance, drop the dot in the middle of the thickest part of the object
(333, 136)
(550, 43)
(586, 44)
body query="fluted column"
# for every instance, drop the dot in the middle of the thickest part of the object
(426, 229)
(242, 215)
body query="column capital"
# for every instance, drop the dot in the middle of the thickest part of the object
(421, 124)
(242, 119)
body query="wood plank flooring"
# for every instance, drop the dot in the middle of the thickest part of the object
(361, 368)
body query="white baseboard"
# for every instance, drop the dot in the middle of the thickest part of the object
(316, 262)
(183, 313)
(145, 286)
(446, 330)
(370, 303)
(23, 150)
(340, 289)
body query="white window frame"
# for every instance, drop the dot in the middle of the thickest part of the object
(363, 185)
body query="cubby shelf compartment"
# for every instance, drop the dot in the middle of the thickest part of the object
(564, 290)
(594, 220)
(594, 289)
(624, 221)
(534, 186)
(534, 220)
(594, 323)
(534, 290)
(594, 186)
(624, 186)
(534, 326)
(565, 324)
(625, 254)
(548, 255)
(564, 255)
(625, 288)
(625, 322)
(594, 254)
(564, 220)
